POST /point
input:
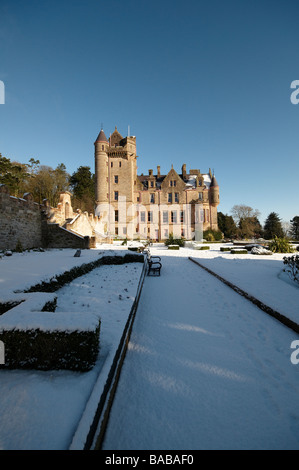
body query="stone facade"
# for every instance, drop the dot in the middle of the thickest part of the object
(153, 205)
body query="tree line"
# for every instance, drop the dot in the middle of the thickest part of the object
(244, 224)
(45, 182)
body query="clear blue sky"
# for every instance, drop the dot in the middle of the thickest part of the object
(206, 83)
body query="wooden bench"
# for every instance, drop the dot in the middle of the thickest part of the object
(154, 265)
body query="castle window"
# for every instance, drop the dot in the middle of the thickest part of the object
(152, 199)
(116, 216)
(150, 216)
(176, 197)
(173, 217)
(116, 179)
(119, 164)
(125, 230)
(170, 197)
(142, 216)
(116, 230)
(111, 164)
(115, 195)
(182, 217)
(165, 217)
(152, 184)
(173, 183)
(200, 196)
(165, 233)
(102, 147)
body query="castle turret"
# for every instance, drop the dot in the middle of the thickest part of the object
(214, 191)
(101, 168)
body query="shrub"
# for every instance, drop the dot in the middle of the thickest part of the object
(174, 241)
(44, 350)
(173, 247)
(19, 247)
(225, 248)
(212, 235)
(203, 247)
(280, 245)
(209, 237)
(292, 263)
(239, 252)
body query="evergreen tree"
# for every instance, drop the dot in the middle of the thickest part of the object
(83, 188)
(226, 225)
(273, 227)
(14, 175)
(294, 231)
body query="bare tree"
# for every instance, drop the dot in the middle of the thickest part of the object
(241, 212)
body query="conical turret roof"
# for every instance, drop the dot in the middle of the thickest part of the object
(101, 137)
(214, 181)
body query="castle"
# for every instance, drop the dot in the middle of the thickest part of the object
(154, 205)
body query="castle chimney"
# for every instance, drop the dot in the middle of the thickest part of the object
(158, 170)
(150, 172)
(184, 170)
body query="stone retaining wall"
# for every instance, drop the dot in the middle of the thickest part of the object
(25, 223)
(20, 221)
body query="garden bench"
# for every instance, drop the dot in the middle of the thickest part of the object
(154, 265)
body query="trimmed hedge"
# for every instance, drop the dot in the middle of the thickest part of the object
(224, 248)
(33, 340)
(50, 350)
(239, 252)
(173, 247)
(61, 279)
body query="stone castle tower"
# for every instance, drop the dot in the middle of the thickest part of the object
(151, 206)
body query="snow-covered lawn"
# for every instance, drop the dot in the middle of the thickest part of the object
(43, 410)
(204, 369)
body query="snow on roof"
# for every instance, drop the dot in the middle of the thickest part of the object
(207, 180)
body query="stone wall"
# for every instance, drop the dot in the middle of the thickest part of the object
(81, 223)
(24, 222)
(59, 237)
(20, 221)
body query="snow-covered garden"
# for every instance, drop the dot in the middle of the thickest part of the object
(204, 367)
